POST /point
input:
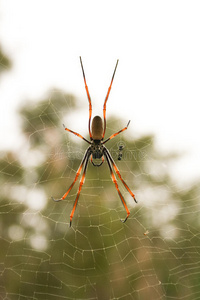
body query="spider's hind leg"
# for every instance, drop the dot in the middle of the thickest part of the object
(56, 200)
(87, 153)
(117, 188)
(119, 175)
(97, 165)
(79, 190)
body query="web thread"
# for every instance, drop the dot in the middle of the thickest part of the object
(155, 254)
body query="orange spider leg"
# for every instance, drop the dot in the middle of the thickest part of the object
(79, 190)
(104, 106)
(89, 99)
(76, 134)
(76, 177)
(97, 165)
(114, 134)
(119, 175)
(117, 188)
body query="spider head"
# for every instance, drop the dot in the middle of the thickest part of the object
(97, 149)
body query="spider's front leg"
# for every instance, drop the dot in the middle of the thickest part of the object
(89, 99)
(106, 99)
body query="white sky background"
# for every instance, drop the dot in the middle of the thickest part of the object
(157, 83)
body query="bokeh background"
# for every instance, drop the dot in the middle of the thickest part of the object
(155, 254)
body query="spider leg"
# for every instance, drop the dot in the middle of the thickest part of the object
(118, 173)
(76, 134)
(117, 188)
(104, 106)
(97, 165)
(79, 190)
(89, 99)
(85, 158)
(114, 134)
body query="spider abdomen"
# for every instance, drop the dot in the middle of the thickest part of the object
(97, 128)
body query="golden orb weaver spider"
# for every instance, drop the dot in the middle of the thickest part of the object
(97, 150)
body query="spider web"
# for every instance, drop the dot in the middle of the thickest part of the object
(155, 254)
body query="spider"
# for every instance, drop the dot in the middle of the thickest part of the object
(97, 150)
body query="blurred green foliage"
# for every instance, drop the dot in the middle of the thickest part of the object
(154, 255)
(5, 63)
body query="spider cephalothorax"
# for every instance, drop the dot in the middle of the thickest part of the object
(97, 151)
